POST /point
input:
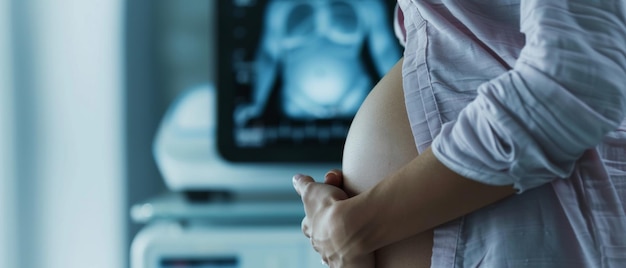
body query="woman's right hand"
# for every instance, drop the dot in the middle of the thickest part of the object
(334, 177)
(325, 223)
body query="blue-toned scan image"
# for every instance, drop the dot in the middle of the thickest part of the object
(309, 68)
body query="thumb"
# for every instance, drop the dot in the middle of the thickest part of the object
(300, 181)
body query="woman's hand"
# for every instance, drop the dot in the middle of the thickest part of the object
(325, 224)
(334, 177)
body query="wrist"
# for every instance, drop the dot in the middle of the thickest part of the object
(357, 226)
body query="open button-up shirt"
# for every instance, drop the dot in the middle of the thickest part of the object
(530, 94)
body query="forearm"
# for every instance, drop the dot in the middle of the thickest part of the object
(530, 125)
(422, 195)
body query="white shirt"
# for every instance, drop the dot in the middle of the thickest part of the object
(529, 93)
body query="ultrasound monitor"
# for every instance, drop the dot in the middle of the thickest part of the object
(293, 73)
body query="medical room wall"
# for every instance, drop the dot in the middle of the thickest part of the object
(84, 85)
(62, 202)
(7, 178)
(167, 52)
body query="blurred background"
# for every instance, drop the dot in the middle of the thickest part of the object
(83, 86)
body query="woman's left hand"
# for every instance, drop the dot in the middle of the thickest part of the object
(325, 223)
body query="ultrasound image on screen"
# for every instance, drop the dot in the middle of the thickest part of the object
(302, 68)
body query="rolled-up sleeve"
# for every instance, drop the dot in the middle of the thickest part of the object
(566, 91)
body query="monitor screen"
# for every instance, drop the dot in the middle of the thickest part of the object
(293, 73)
(218, 262)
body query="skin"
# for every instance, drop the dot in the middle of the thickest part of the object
(412, 252)
(380, 142)
(354, 224)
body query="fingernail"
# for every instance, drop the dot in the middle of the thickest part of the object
(296, 178)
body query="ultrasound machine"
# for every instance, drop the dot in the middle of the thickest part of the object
(291, 76)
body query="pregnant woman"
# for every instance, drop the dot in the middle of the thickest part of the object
(498, 141)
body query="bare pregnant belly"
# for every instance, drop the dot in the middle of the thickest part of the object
(380, 142)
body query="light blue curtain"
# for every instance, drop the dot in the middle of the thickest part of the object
(62, 121)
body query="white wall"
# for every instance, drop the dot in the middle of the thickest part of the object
(7, 204)
(76, 86)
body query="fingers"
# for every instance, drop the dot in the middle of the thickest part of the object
(305, 227)
(307, 232)
(300, 182)
(334, 177)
